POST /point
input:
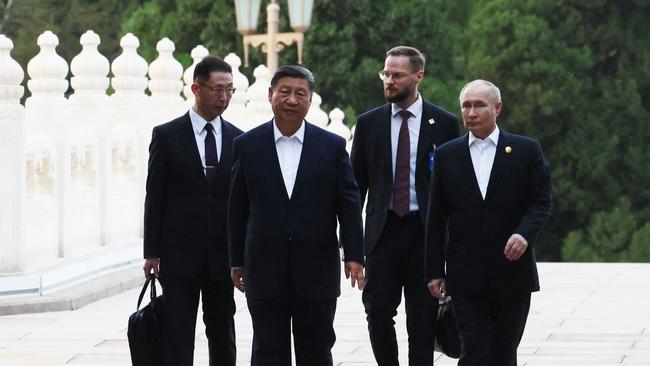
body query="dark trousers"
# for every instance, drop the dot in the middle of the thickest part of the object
(490, 327)
(312, 324)
(397, 263)
(179, 325)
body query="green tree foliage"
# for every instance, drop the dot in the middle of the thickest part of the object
(639, 249)
(345, 43)
(187, 23)
(606, 238)
(346, 53)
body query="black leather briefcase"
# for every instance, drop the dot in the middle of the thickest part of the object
(446, 333)
(144, 328)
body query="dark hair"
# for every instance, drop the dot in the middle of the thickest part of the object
(294, 71)
(208, 65)
(415, 56)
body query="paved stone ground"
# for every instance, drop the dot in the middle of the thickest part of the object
(586, 314)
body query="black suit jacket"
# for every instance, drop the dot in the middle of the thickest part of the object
(373, 163)
(277, 238)
(518, 200)
(184, 215)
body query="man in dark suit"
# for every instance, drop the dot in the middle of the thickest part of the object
(185, 219)
(491, 191)
(291, 181)
(391, 155)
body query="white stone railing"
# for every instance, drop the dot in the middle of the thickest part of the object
(74, 168)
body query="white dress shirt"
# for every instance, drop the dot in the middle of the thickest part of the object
(483, 152)
(198, 125)
(289, 150)
(414, 134)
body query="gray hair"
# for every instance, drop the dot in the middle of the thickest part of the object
(294, 71)
(495, 93)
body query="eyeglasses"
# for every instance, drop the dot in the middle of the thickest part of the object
(385, 75)
(219, 89)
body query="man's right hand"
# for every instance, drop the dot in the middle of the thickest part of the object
(237, 276)
(437, 288)
(151, 264)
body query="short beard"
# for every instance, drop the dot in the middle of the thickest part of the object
(399, 97)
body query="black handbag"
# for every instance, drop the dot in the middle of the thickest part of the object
(144, 328)
(446, 334)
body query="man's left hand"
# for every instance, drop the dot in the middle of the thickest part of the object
(354, 270)
(515, 247)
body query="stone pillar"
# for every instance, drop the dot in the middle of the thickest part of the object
(12, 161)
(236, 112)
(89, 149)
(258, 107)
(337, 126)
(165, 84)
(46, 128)
(131, 121)
(316, 115)
(198, 53)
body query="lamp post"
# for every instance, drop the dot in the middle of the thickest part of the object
(272, 42)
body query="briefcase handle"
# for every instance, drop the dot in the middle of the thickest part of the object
(151, 279)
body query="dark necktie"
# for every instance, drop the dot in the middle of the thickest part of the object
(211, 160)
(401, 190)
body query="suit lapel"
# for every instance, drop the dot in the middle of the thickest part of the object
(468, 168)
(385, 143)
(425, 136)
(271, 153)
(499, 165)
(225, 160)
(190, 150)
(305, 159)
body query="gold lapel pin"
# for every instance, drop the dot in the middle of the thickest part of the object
(508, 149)
(432, 121)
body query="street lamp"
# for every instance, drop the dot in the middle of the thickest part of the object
(272, 42)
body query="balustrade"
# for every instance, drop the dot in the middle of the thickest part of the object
(76, 167)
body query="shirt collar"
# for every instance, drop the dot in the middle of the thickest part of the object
(493, 137)
(300, 134)
(415, 108)
(198, 122)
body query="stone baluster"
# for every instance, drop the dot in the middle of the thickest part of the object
(337, 126)
(12, 161)
(165, 83)
(316, 115)
(165, 72)
(236, 112)
(90, 70)
(47, 72)
(47, 125)
(198, 53)
(129, 71)
(132, 121)
(89, 143)
(258, 107)
(10, 78)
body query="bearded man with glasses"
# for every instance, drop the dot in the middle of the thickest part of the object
(185, 219)
(392, 156)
